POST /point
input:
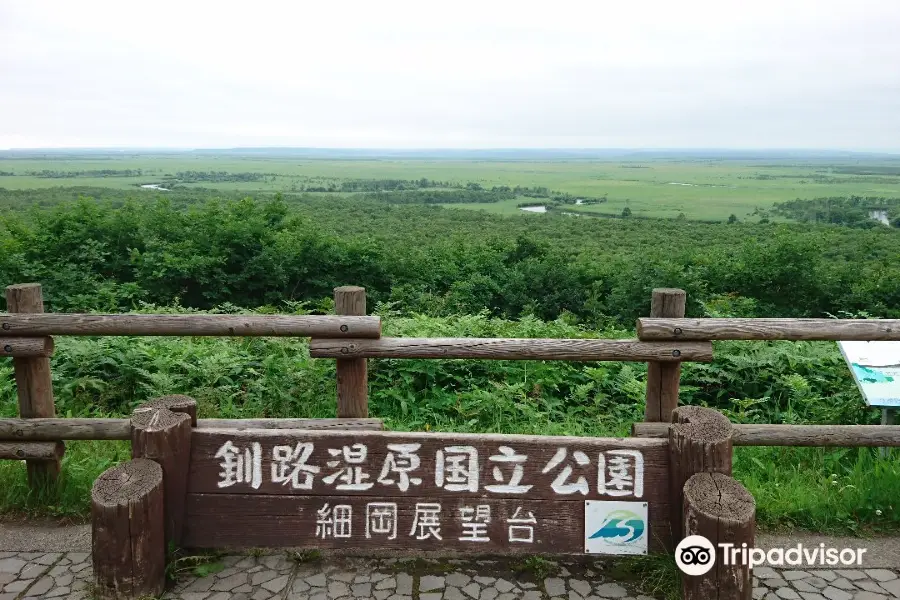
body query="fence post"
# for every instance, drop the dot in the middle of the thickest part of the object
(719, 508)
(663, 378)
(888, 416)
(161, 432)
(699, 442)
(33, 382)
(127, 531)
(352, 376)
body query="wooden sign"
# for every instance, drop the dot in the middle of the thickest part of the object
(415, 491)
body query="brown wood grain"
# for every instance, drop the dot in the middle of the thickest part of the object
(26, 346)
(127, 538)
(663, 379)
(513, 349)
(699, 442)
(863, 330)
(34, 384)
(32, 451)
(720, 509)
(352, 373)
(850, 436)
(42, 430)
(177, 403)
(242, 521)
(341, 424)
(322, 326)
(165, 437)
(207, 474)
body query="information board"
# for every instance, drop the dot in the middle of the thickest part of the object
(876, 369)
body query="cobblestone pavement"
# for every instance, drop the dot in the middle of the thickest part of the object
(34, 575)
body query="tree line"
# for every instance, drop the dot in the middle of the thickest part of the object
(203, 251)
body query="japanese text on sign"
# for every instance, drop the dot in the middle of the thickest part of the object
(456, 468)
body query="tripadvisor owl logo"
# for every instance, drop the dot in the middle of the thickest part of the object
(695, 555)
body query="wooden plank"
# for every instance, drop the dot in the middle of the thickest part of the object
(322, 326)
(26, 346)
(34, 385)
(512, 349)
(243, 521)
(863, 330)
(352, 373)
(369, 463)
(32, 451)
(41, 430)
(340, 424)
(663, 379)
(850, 436)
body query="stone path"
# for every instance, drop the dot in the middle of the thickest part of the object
(287, 576)
(825, 584)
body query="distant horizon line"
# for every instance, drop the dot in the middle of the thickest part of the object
(599, 150)
(463, 149)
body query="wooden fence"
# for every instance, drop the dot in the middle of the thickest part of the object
(350, 337)
(220, 482)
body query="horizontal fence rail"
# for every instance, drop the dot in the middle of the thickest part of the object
(44, 430)
(512, 349)
(44, 451)
(19, 347)
(321, 326)
(849, 436)
(862, 330)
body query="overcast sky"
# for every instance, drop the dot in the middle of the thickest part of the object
(632, 73)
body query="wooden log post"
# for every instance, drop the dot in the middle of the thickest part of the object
(128, 539)
(164, 436)
(352, 375)
(720, 509)
(699, 442)
(663, 378)
(33, 382)
(888, 416)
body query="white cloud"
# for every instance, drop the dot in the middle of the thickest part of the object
(801, 73)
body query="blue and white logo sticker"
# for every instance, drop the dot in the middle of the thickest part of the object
(615, 527)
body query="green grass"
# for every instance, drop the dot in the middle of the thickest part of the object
(715, 190)
(835, 490)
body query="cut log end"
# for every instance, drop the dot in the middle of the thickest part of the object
(719, 497)
(701, 424)
(172, 402)
(151, 419)
(126, 483)
(176, 403)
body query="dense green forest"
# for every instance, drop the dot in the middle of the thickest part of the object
(435, 271)
(111, 252)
